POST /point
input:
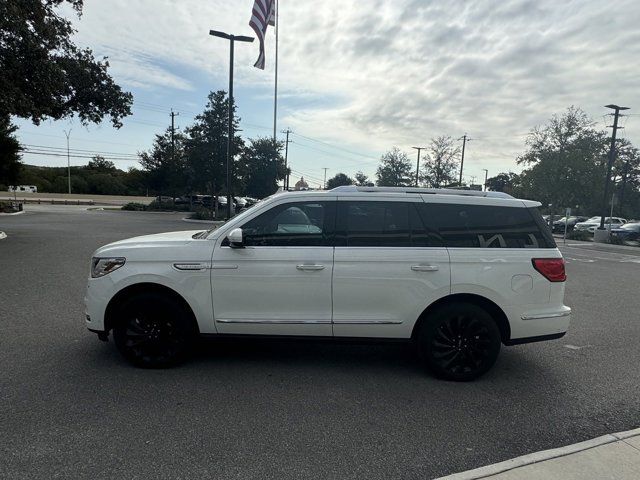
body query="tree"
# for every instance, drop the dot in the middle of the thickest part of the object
(45, 75)
(503, 182)
(338, 180)
(626, 177)
(100, 165)
(566, 160)
(206, 145)
(394, 170)
(260, 167)
(362, 180)
(167, 173)
(9, 153)
(440, 163)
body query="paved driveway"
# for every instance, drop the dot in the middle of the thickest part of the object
(71, 408)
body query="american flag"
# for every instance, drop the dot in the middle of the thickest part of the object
(263, 15)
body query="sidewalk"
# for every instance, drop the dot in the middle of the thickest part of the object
(615, 456)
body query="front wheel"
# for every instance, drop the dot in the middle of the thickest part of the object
(459, 342)
(153, 331)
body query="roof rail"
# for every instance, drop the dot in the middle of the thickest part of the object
(433, 191)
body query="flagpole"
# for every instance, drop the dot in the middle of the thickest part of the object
(275, 93)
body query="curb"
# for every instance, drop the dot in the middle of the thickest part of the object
(192, 220)
(536, 457)
(3, 235)
(14, 213)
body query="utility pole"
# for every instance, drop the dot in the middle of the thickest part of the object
(612, 157)
(286, 155)
(232, 39)
(173, 130)
(418, 163)
(324, 182)
(68, 159)
(486, 174)
(464, 139)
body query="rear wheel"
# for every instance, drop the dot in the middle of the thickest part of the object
(154, 331)
(459, 342)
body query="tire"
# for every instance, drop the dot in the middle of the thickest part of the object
(154, 331)
(459, 342)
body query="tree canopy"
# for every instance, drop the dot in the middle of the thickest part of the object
(260, 167)
(206, 144)
(440, 163)
(566, 162)
(394, 170)
(43, 74)
(9, 153)
(338, 180)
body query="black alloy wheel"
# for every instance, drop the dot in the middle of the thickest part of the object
(153, 331)
(459, 342)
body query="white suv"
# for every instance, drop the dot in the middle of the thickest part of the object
(454, 272)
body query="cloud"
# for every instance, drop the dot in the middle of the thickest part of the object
(394, 72)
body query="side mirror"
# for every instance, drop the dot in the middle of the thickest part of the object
(235, 238)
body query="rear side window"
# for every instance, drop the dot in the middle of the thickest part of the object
(487, 226)
(382, 224)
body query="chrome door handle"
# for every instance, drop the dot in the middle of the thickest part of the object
(424, 268)
(310, 267)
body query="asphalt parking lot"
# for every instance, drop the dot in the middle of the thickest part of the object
(71, 408)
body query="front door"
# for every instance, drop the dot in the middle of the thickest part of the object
(388, 267)
(280, 282)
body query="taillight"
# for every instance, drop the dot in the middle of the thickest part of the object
(551, 268)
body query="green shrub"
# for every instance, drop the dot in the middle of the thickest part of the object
(8, 207)
(135, 206)
(167, 206)
(580, 235)
(202, 214)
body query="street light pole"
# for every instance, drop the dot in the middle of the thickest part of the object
(486, 174)
(232, 39)
(68, 160)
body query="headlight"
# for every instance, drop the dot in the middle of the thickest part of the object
(102, 266)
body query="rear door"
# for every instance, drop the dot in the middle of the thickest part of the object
(387, 268)
(491, 247)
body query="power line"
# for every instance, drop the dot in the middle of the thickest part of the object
(336, 147)
(71, 155)
(78, 150)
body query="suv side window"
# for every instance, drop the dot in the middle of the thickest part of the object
(486, 226)
(381, 224)
(290, 224)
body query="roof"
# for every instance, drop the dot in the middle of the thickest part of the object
(439, 191)
(439, 194)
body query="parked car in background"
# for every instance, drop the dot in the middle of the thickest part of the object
(559, 225)
(240, 203)
(164, 199)
(594, 222)
(23, 188)
(628, 231)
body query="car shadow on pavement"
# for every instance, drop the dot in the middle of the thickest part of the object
(516, 366)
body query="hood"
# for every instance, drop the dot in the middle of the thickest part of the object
(146, 241)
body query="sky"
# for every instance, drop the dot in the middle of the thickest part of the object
(357, 78)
